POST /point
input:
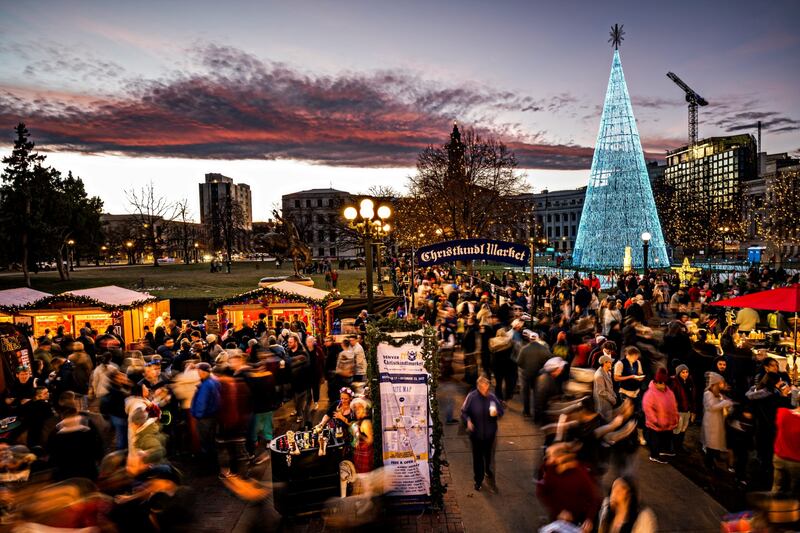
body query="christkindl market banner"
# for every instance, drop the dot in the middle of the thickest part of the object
(469, 249)
(404, 417)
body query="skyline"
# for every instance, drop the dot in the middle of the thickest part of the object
(287, 98)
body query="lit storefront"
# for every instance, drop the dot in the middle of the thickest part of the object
(284, 301)
(126, 310)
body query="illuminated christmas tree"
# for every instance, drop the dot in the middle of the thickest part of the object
(619, 205)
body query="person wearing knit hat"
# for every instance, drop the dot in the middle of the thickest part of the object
(715, 407)
(682, 387)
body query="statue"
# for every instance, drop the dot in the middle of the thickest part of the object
(286, 243)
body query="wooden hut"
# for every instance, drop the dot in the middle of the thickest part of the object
(284, 301)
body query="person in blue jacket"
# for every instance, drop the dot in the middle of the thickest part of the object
(204, 409)
(480, 413)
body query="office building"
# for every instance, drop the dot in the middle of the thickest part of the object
(317, 215)
(214, 195)
(226, 210)
(715, 169)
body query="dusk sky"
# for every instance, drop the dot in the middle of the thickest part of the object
(288, 96)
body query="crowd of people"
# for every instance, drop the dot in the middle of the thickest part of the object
(601, 372)
(135, 422)
(605, 372)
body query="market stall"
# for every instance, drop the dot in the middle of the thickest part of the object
(11, 300)
(128, 311)
(284, 301)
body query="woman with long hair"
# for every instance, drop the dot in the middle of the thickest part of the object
(622, 513)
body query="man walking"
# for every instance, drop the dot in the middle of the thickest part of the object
(480, 413)
(205, 406)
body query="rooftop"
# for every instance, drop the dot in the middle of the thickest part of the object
(315, 191)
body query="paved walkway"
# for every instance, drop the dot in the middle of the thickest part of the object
(223, 512)
(679, 504)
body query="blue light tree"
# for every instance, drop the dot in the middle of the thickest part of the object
(619, 204)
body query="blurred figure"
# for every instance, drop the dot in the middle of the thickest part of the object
(621, 511)
(75, 447)
(479, 413)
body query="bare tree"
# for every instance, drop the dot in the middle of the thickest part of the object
(153, 214)
(229, 228)
(186, 232)
(465, 189)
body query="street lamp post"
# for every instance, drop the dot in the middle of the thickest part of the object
(724, 231)
(71, 255)
(129, 246)
(645, 249)
(368, 225)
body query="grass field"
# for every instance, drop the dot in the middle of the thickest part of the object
(174, 281)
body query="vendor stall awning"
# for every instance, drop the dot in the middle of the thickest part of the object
(18, 297)
(114, 296)
(785, 299)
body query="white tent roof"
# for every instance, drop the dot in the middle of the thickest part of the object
(112, 295)
(20, 296)
(301, 290)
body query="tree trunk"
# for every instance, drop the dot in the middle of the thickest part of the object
(63, 273)
(25, 273)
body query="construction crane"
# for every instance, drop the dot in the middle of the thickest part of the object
(694, 101)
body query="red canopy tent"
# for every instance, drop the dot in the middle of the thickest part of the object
(786, 299)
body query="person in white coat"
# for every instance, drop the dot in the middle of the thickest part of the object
(715, 407)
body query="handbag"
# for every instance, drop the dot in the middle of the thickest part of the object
(500, 342)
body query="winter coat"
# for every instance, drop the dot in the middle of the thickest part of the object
(603, 393)
(206, 401)
(684, 393)
(714, 420)
(148, 439)
(476, 410)
(660, 408)
(532, 358)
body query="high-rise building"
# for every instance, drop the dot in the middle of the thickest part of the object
(226, 209)
(215, 192)
(619, 206)
(713, 170)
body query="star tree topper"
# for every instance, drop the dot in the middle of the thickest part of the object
(616, 36)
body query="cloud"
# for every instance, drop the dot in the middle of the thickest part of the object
(47, 60)
(771, 121)
(648, 102)
(233, 105)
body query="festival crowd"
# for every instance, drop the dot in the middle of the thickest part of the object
(600, 373)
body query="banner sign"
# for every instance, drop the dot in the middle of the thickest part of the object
(404, 416)
(480, 249)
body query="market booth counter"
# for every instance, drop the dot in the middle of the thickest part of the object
(12, 300)
(305, 471)
(284, 301)
(128, 311)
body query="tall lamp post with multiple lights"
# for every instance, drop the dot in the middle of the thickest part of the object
(535, 244)
(369, 226)
(645, 249)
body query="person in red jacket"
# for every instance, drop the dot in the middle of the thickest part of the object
(786, 460)
(661, 415)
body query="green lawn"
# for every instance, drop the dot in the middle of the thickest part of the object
(174, 281)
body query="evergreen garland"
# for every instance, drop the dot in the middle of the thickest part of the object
(379, 332)
(271, 291)
(78, 300)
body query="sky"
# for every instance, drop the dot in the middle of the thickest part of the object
(287, 96)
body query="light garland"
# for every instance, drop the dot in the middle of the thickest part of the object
(260, 292)
(88, 301)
